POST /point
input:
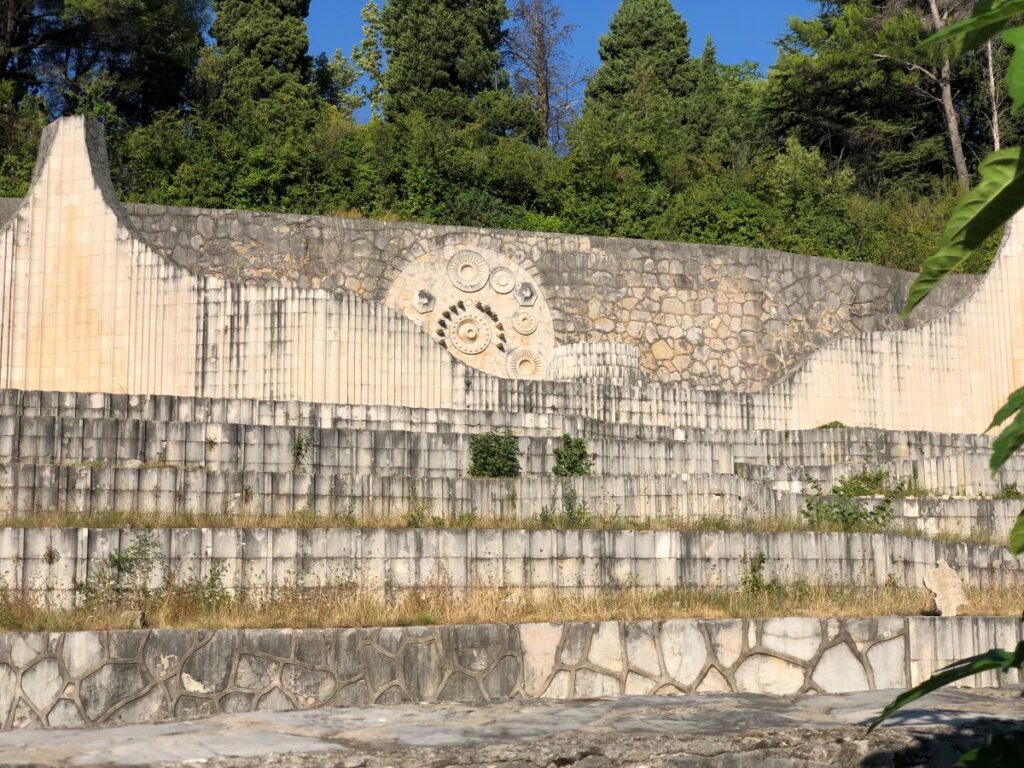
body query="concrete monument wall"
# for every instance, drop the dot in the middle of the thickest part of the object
(90, 304)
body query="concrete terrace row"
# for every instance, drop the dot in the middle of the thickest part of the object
(326, 499)
(52, 563)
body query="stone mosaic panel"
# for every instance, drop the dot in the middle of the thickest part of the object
(73, 679)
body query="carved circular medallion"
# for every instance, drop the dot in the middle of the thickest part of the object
(468, 271)
(524, 364)
(502, 280)
(524, 322)
(470, 333)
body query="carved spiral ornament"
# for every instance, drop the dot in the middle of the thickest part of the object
(524, 322)
(503, 281)
(470, 333)
(468, 271)
(524, 364)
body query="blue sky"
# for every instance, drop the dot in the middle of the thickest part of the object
(742, 29)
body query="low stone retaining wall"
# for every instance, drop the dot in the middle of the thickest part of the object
(49, 563)
(88, 678)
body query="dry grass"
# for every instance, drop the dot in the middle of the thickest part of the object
(206, 606)
(311, 520)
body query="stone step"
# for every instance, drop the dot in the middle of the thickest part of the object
(26, 489)
(50, 563)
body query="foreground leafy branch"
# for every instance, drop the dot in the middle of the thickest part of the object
(980, 213)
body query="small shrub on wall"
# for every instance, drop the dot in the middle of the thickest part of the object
(494, 454)
(572, 459)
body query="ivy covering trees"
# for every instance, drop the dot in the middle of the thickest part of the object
(848, 146)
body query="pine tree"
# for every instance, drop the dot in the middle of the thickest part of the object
(644, 34)
(250, 139)
(440, 55)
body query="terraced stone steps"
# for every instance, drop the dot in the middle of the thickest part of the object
(638, 500)
(51, 562)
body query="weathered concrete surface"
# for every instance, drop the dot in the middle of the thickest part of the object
(716, 730)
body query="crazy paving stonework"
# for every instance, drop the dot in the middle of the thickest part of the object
(88, 678)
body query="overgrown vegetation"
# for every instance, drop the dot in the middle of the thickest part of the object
(573, 514)
(572, 458)
(494, 454)
(193, 603)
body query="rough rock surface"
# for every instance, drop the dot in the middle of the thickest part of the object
(716, 730)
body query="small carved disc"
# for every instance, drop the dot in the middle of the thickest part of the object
(470, 333)
(524, 364)
(524, 322)
(468, 271)
(502, 280)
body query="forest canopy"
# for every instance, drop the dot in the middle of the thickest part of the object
(855, 144)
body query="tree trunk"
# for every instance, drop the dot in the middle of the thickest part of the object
(956, 142)
(993, 97)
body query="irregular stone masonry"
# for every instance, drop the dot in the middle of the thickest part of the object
(91, 678)
(49, 563)
(709, 317)
(70, 244)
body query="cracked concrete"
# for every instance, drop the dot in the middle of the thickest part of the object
(712, 729)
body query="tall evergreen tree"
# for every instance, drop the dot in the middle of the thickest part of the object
(249, 139)
(440, 55)
(134, 56)
(648, 34)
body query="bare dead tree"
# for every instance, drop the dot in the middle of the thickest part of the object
(995, 103)
(538, 50)
(945, 82)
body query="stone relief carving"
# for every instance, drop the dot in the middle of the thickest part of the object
(468, 271)
(526, 294)
(472, 299)
(525, 364)
(503, 281)
(524, 322)
(423, 301)
(469, 332)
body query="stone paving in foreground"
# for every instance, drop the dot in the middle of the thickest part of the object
(715, 730)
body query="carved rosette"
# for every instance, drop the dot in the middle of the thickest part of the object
(524, 364)
(468, 271)
(503, 281)
(470, 333)
(524, 322)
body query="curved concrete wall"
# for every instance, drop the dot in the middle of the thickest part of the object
(75, 679)
(714, 317)
(88, 305)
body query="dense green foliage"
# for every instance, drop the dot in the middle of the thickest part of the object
(494, 454)
(841, 150)
(572, 458)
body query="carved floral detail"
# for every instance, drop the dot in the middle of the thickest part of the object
(468, 271)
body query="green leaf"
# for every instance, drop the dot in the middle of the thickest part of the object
(988, 18)
(982, 211)
(1015, 69)
(1013, 404)
(958, 670)
(1009, 442)
(1001, 752)
(1017, 536)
